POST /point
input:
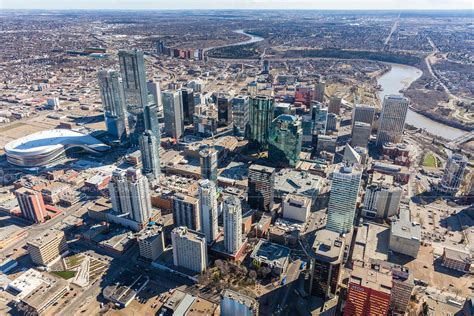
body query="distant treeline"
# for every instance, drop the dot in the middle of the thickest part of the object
(354, 54)
(246, 51)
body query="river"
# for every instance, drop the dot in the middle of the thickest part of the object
(399, 78)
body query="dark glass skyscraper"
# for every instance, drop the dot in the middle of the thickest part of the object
(187, 101)
(113, 101)
(261, 116)
(284, 142)
(132, 68)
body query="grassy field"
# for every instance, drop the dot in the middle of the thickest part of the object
(64, 274)
(429, 160)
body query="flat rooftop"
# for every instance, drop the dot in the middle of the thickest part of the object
(298, 182)
(47, 237)
(403, 227)
(328, 246)
(271, 253)
(372, 279)
(371, 242)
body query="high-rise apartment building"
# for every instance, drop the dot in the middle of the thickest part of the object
(260, 187)
(261, 116)
(113, 102)
(284, 142)
(208, 161)
(186, 211)
(155, 90)
(151, 121)
(150, 149)
(343, 198)
(47, 247)
(232, 224)
(173, 114)
(132, 69)
(392, 119)
(360, 134)
(189, 249)
(31, 205)
(130, 194)
(240, 114)
(453, 174)
(208, 209)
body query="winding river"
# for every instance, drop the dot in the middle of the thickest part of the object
(399, 77)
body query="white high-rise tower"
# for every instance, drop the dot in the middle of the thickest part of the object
(232, 224)
(208, 209)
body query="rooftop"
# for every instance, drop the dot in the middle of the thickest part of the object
(271, 253)
(371, 278)
(328, 246)
(45, 238)
(402, 226)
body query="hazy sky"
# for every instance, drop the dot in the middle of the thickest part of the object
(238, 4)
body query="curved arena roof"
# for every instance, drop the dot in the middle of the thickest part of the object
(42, 148)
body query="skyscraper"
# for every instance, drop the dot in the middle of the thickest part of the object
(319, 89)
(453, 174)
(335, 105)
(186, 211)
(381, 200)
(260, 187)
(154, 89)
(392, 119)
(150, 148)
(208, 160)
(31, 204)
(232, 224)
(173, 114)
(132, 69)
(360, 134)
(150, 116)
(240, 114)
(113, 101)
(343, 198)
(187, 101)
(130, 194)
(189, 249)
(363, 113)
(319, 115)
(208, 209)
(285, 140)
(261, 116)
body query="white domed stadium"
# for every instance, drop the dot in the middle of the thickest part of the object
(46, 147)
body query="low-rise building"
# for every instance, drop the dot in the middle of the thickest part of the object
(236, 304)
(456, 259)
(405, 235)
(296, 207)
(274, 256)
(47, 247)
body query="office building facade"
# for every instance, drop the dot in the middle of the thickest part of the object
(319, 90)
(47, 247)
(208, 162)
(285, 139)
(261, 116)
(364, 113)
(240, 115)
(132, 69)
(261, 180)
(343, 198)
(392, 119)
(360, 134)
(173, 114)
(113, 102)
(335, 105)
(187, 101)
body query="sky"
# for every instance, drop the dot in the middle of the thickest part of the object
(240, 4)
